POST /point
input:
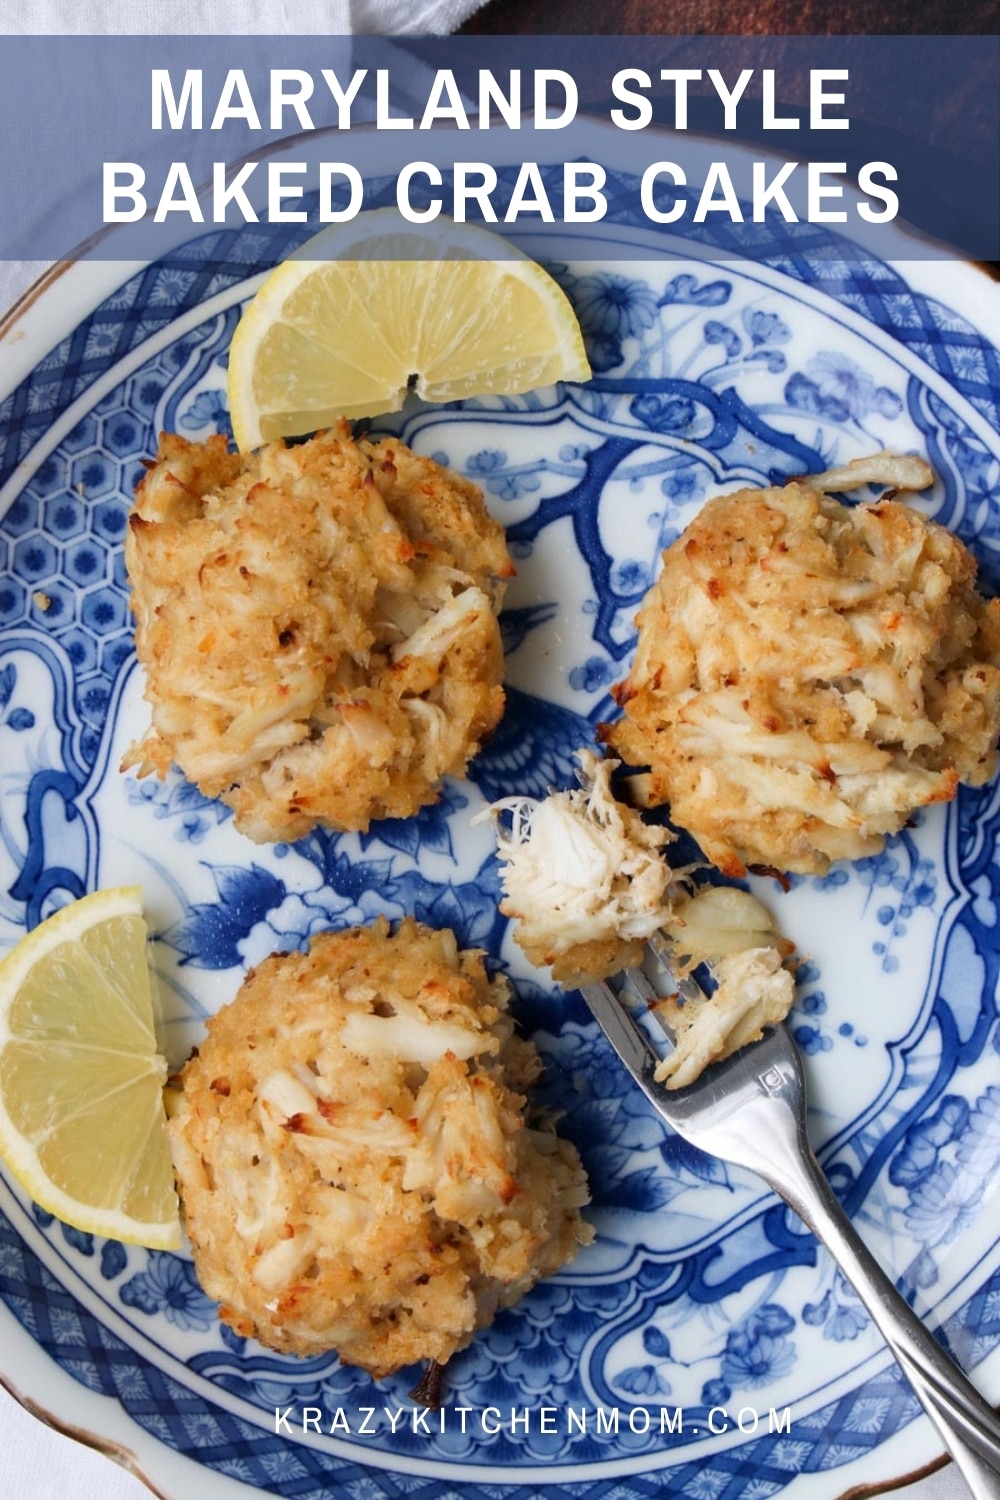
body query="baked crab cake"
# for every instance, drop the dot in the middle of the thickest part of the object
(318, 627)
(808, 672)
(356, 1167)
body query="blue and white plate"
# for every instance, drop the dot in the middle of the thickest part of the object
(701, 1346)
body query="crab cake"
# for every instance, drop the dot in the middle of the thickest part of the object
(355, 1166)
(318, 627)
(808, 673)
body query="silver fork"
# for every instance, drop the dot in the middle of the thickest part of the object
(750, 1110)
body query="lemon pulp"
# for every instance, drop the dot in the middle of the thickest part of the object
(357, 318)
(82, 1124)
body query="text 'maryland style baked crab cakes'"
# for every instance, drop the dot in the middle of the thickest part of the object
(318, 627)
(809, 672)
(356, 1168)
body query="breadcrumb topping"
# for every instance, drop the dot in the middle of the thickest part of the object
(808, 673)
(317, 624)
(357, 1167)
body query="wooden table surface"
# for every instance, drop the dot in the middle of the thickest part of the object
(958, 116)
(713, 17)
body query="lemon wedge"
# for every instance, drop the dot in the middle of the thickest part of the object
(368, 310)
(82, 1123)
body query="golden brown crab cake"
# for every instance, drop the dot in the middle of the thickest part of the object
(809, 673)
(318, 627)
(353, 1157)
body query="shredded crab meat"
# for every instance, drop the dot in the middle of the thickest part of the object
(809, 673)
(358, 1163)
(292, 606)
(583, 875)
(753, 990)
(588, 884)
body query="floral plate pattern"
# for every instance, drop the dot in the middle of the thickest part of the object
(701, 1294)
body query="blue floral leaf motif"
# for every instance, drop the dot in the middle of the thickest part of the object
(804, 395)
(192, 830)
(140, 1291)
(207, 409)
(681, 1156)
(184, 794)
(846, 1324)
(715, 332)
(815, 1004)
(685, 289)
(942, 1205)
(630, 577)
(21, 719)
(78, 1239)
(923, 1272)
(209, 938)
(841, 389)
(765, 327)
(356, 879)
(232, 1339)
(816, 1313)
(811, 1040)
(531, 750)
(405, 835)
(114, 1259)
(8, 681)
(642, 1192)
(772, 1318)
(168, 1286)
(486, 461)
(513, 486)
(615, 306)
(757, 1350)
(773, 360)
(918, 1155)
(594, 673)
(603, 352)
(516, 623)
(655, 1342)
(642, 1380)
(430, 829)
(887, 403)
(979, 1146)
(715, 1393)
(41, 1216)
(470, 909)
(664, 413)
(684, 484)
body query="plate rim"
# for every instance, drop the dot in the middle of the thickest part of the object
(31, 299)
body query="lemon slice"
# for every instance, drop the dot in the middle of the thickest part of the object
(367, 310)
(82, 1124)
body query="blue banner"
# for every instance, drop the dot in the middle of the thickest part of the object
(127, 146)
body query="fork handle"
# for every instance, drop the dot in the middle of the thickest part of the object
(967, 1424)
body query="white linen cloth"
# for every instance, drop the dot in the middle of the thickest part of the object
(235, 17)
(35, 1462)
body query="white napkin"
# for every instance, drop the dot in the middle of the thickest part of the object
(236, 17)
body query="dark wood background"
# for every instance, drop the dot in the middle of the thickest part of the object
(960, 111)
(715, 17)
